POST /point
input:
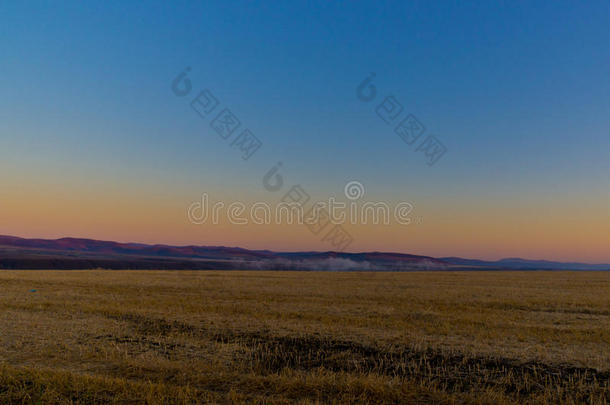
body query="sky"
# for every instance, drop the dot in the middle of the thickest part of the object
(94, 141)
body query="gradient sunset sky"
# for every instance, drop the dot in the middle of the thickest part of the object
(94, 143)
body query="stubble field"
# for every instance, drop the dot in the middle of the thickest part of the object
(174, 337)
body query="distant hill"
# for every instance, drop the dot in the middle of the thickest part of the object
(75, 253)
(524, 264)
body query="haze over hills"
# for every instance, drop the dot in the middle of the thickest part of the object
(77, 253)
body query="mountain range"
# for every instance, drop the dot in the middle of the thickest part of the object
(77, 253)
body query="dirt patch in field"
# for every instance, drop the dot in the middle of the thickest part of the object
(268, 354)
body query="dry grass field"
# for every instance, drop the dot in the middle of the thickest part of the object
(301, 337)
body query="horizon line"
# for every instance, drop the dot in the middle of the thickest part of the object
(301, 251)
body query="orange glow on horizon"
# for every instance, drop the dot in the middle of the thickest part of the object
(470, 229)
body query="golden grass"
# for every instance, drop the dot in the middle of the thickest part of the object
(179, 337)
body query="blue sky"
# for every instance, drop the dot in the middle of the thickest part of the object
(517, 92)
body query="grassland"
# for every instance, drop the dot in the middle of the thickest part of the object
(300, 337)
